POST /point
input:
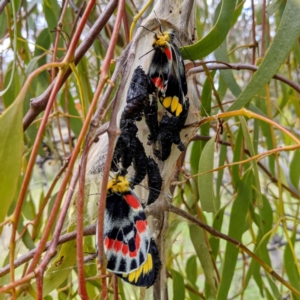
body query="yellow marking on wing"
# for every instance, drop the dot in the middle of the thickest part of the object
(174, 103)
(138, 273)
(145, 268)
(178, 110)
(149, 264)
(167, 102)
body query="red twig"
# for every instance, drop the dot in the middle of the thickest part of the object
(80, 212)
(115, 287)
(112, 133)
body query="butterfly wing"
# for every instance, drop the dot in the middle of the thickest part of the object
(146, 274)
(126, 233)
(160, 68)
(173, 98)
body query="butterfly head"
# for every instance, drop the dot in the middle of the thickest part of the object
(119, 184)
(163, 39)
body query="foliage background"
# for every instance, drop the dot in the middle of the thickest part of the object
(253, 199)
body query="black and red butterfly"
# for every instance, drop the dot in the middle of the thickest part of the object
(130, 251)
(167, 72)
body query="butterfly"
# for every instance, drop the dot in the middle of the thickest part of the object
(167, 72)
(130, 251)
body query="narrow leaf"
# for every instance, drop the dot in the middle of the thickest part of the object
(236, 229)
(250, 147)
(205, 182)
(290, 267)
(294, 169)
(215, 37)
(11, 137)
(178, 286)
(265, 225)
(191, 270)
(203, 253)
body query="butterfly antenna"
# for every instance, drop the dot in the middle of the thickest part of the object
(147, 53)
(153, 189)
(160, 25)
(147, 29)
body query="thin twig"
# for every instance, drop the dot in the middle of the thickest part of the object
(239, 67)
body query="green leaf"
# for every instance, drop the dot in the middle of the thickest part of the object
(217, 224)
(294, 169)
(178, 286)
(205, 182)
(51, 11)
(43, 42)
(265, 225)
(14, 88)
(290, 266)
(205, 109)
(3, 25)
(238, 155)
(191, 270)
(215, 37)
(276, 54)
(203, 253)
(265, 128)
(250, 147)
(195, 156)
(222, 159)
(236, 229)
(11, 135)
(59, 270)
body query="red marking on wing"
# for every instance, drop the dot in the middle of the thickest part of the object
(125, 249)
(118, 246)
(108, 243)
(132, 201)
(141, 225)
(137, 241)
(168, 53)
(158, 82)
(133, 254)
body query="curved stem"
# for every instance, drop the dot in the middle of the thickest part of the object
(238, 67)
